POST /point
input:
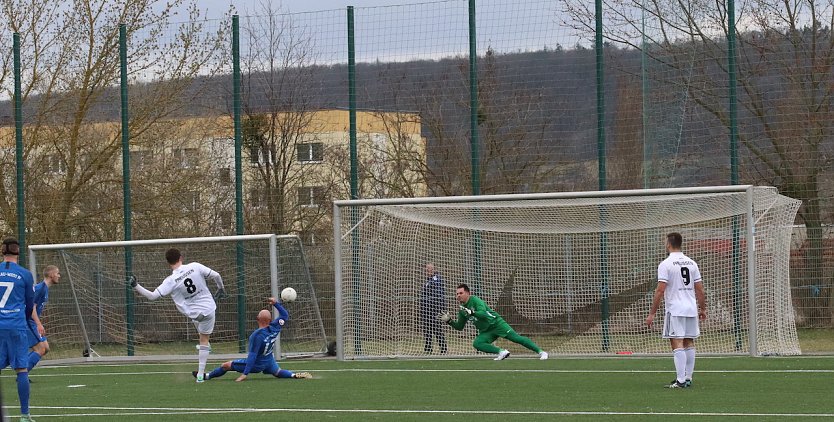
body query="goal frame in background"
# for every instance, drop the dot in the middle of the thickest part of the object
(242, 318)
(347, 216)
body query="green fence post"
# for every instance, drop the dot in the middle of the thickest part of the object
(354, 174)
(126, 216)
(603, 240)
(239, 262)
(18, 150)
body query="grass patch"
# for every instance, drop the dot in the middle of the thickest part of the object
(622, 389)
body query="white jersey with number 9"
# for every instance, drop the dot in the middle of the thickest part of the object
(680, 273)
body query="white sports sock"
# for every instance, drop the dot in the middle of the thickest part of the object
(202, 357)
(690, 362)
(680, 364)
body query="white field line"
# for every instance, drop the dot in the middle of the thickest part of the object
(114, 411)
(37, 374)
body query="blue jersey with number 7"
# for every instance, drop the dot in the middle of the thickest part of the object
(17, 296)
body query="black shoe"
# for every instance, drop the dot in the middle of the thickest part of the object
(676, 384)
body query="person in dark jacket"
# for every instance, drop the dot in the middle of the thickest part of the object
(432, 303)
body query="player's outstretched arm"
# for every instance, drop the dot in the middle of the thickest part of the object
(282, 311)
(150, 295)
(213, 275)
(459, 323)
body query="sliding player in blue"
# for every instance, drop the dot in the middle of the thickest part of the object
(16, 306)
(261, 347)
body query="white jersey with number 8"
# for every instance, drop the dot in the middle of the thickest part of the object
(187, 287)
(680, 273)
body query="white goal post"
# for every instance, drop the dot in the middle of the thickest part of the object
(93, 314)
(573, 271)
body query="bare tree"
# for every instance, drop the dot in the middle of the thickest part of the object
(517, 153)
(278, 107)
(70, 73)
(785, 58)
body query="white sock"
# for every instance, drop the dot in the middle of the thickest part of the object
(690, 362)
(202, 357)
(680, 364)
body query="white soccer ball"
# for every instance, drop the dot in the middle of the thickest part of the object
(288, 294)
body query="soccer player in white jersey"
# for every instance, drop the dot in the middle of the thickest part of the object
(680, 286)
(187, 287)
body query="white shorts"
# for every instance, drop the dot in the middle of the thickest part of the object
(204, 323)
(680, 327)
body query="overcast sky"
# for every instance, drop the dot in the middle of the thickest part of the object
(217, 7)
(400, 30)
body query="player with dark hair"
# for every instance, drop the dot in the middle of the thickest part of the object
(261, 347)
(16, 306)
(679, 285)
(37, 335)
(187, 287)
(490, 325)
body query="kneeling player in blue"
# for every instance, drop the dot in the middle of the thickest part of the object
(261, 347)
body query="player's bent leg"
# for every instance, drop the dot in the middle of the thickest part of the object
(216, 372)
(524, 341)
(483, 342)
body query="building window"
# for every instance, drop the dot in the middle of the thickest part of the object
(55, 164)
(224, 175)
(227, 220)
(190, 201)
(311, 196)
(140, 160)
(258, 155)
(310, 152)
(186, 157)
(257, 197)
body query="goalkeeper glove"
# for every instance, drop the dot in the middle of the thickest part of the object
(131, 279)
(444, 317)
(220, 295)
(466, 310)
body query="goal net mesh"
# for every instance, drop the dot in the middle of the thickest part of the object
(576, 275)
(88, 312)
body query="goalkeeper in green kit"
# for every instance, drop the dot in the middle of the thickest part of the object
(490, 325)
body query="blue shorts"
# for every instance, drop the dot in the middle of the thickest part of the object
(14, 350)
(32, 334)
(269, 367)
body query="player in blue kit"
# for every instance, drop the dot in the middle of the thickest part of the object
(261, 347)
(16, 306)
(37, 336)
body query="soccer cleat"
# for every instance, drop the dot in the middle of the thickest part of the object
(26, 418)
(688, 383)
(200, 377)
(302, 375)
(503, 355)
(543, 356)
(676, 384)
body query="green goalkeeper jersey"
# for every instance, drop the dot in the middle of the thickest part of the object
(482, 316)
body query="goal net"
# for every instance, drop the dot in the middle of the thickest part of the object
(92, 313)
(575, 272)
